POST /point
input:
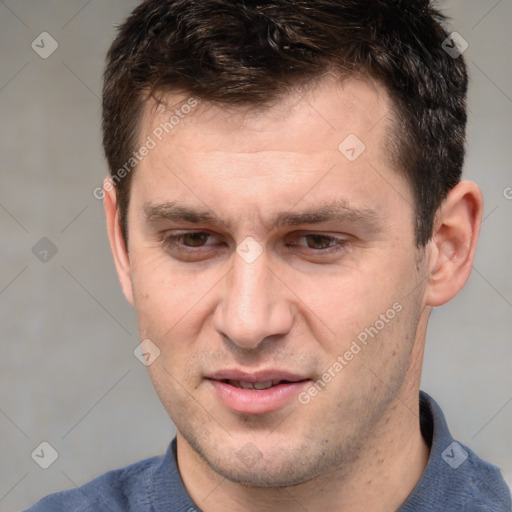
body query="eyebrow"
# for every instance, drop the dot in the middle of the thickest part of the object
(339, 211)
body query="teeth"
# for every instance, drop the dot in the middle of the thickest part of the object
(253, 385)
(263, 385)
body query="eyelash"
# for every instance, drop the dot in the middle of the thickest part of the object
(171, 241)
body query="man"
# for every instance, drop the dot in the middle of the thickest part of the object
(284, 209)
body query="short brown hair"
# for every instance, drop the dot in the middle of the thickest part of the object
(245, 52)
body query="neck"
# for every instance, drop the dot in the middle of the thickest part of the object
(380, 480)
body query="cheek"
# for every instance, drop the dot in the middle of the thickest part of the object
(173, 391)
(156, 304)
(349, 302)
(163, 294)
(371, 308)
(173, 306)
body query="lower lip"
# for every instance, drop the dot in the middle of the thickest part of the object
(252, 401)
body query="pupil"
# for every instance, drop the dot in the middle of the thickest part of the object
(196, 239)
(317, 240)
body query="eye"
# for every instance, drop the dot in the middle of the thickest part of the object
(318, 242)
(189, 239)
(198, 245)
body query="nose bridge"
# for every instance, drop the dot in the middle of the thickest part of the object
(252, 306)
(249, 286)
(248, 293)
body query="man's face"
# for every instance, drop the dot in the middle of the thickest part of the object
(262, 251)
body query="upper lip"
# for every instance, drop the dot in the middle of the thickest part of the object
(257, 376)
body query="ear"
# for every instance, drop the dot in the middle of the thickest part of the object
(453, 244)
(117, 242)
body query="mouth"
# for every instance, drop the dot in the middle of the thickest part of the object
(267, 384)
(256, 393)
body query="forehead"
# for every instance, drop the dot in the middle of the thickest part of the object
(331, 108)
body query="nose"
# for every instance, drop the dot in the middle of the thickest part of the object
(253, 306)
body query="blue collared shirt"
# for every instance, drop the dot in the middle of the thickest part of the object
(455, 480)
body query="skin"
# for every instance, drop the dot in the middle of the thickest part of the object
(356, 445)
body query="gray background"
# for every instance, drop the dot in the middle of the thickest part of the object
(68, 374)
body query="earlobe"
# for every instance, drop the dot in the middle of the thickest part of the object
(116, 239)
(453, 244)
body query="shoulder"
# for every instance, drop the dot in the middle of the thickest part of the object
(469, 483)
(455, 478)
(483, 484)
(123, 489)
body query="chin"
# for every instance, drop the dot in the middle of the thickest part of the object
(264, 476)
(267, 467)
